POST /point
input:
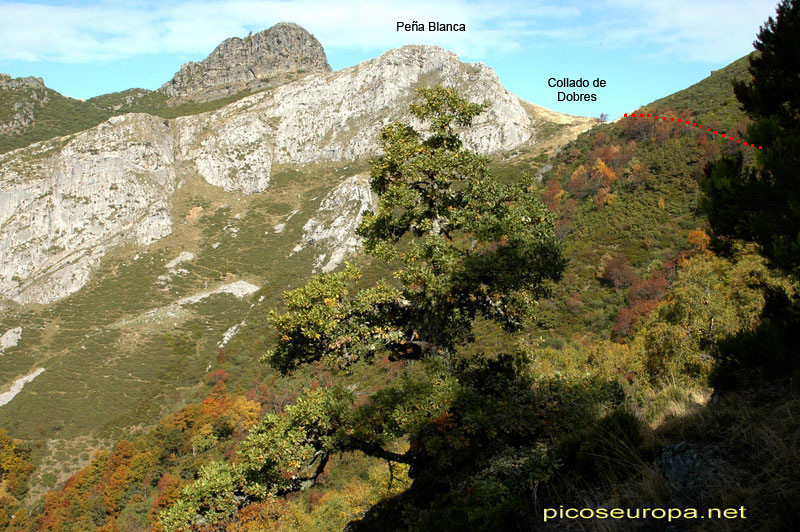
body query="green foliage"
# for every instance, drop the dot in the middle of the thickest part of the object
(711, 100)
(321, 322)
(754, 196)
(629, 191)
(466, 246)
(477, 438)
(481, 462)
(476, 246)
(711, 299)
(463, 440)
(15, 472)
(158, 104)
(55, 115)
(49, 480)
(620, 195)
(605, 450)
(285, 452)
(128, 486)
(212, 493)
(280, 450)
(109, 361)
(759, 200)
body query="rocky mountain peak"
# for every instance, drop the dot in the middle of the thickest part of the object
(66, 202)
(279, 54)
(30, 82)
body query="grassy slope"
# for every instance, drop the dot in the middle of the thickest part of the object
(634, 225)
(109, 367)
(647, 220)
(156, 103)
(741, 440)
(59, 115)
(711, 100)
(55, 117)
(103, 377)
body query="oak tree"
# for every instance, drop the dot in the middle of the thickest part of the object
(462, 245)
(759, 200)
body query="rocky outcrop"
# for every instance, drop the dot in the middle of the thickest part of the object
(63, 207)
(688, 467)
(17, 386)
(337, 117)
(268, 58)
(332, 230)
(27, 93)
(65, 202)
(30, 82)
(177, 310)
(9, 339)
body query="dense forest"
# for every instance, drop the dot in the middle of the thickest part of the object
(614, 331)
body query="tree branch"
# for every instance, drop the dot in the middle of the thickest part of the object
(372, 449)
(303, 483)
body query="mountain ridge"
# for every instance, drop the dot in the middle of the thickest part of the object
(32, 112)
(265, 59)
(609, 184)
(313, 206)
(324, 116)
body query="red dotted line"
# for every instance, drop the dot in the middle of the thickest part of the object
(694, 124)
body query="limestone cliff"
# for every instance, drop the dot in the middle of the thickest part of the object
(63, 206)
(64, 203)
(337, 116)
(332, 231)
(268, 58)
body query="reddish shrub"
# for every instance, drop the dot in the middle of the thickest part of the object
(574, 303)
(563, 228)
(618, 272)
(217, 376)
(552, 194)
(570, 208)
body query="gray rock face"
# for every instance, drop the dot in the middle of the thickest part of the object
(65, 202)
(268, 58)
(7, 82)
(60, 212)
(337, 116)
(23, 110)
(332, 231)
(686, 466)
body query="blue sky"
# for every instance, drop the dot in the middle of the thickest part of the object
(644, 49)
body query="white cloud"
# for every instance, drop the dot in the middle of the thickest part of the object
(707, 30)
(105, 31)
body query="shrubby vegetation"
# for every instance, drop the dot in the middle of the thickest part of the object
(15, 471)
(756, 197)
(485, 377)
(55, 115)
(157, 103)
(464, 246)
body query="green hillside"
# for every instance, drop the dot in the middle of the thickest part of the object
(711, 100)
(119, 338)
(53, 115)
(156, 103)
(626, 195)
(600, 398)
